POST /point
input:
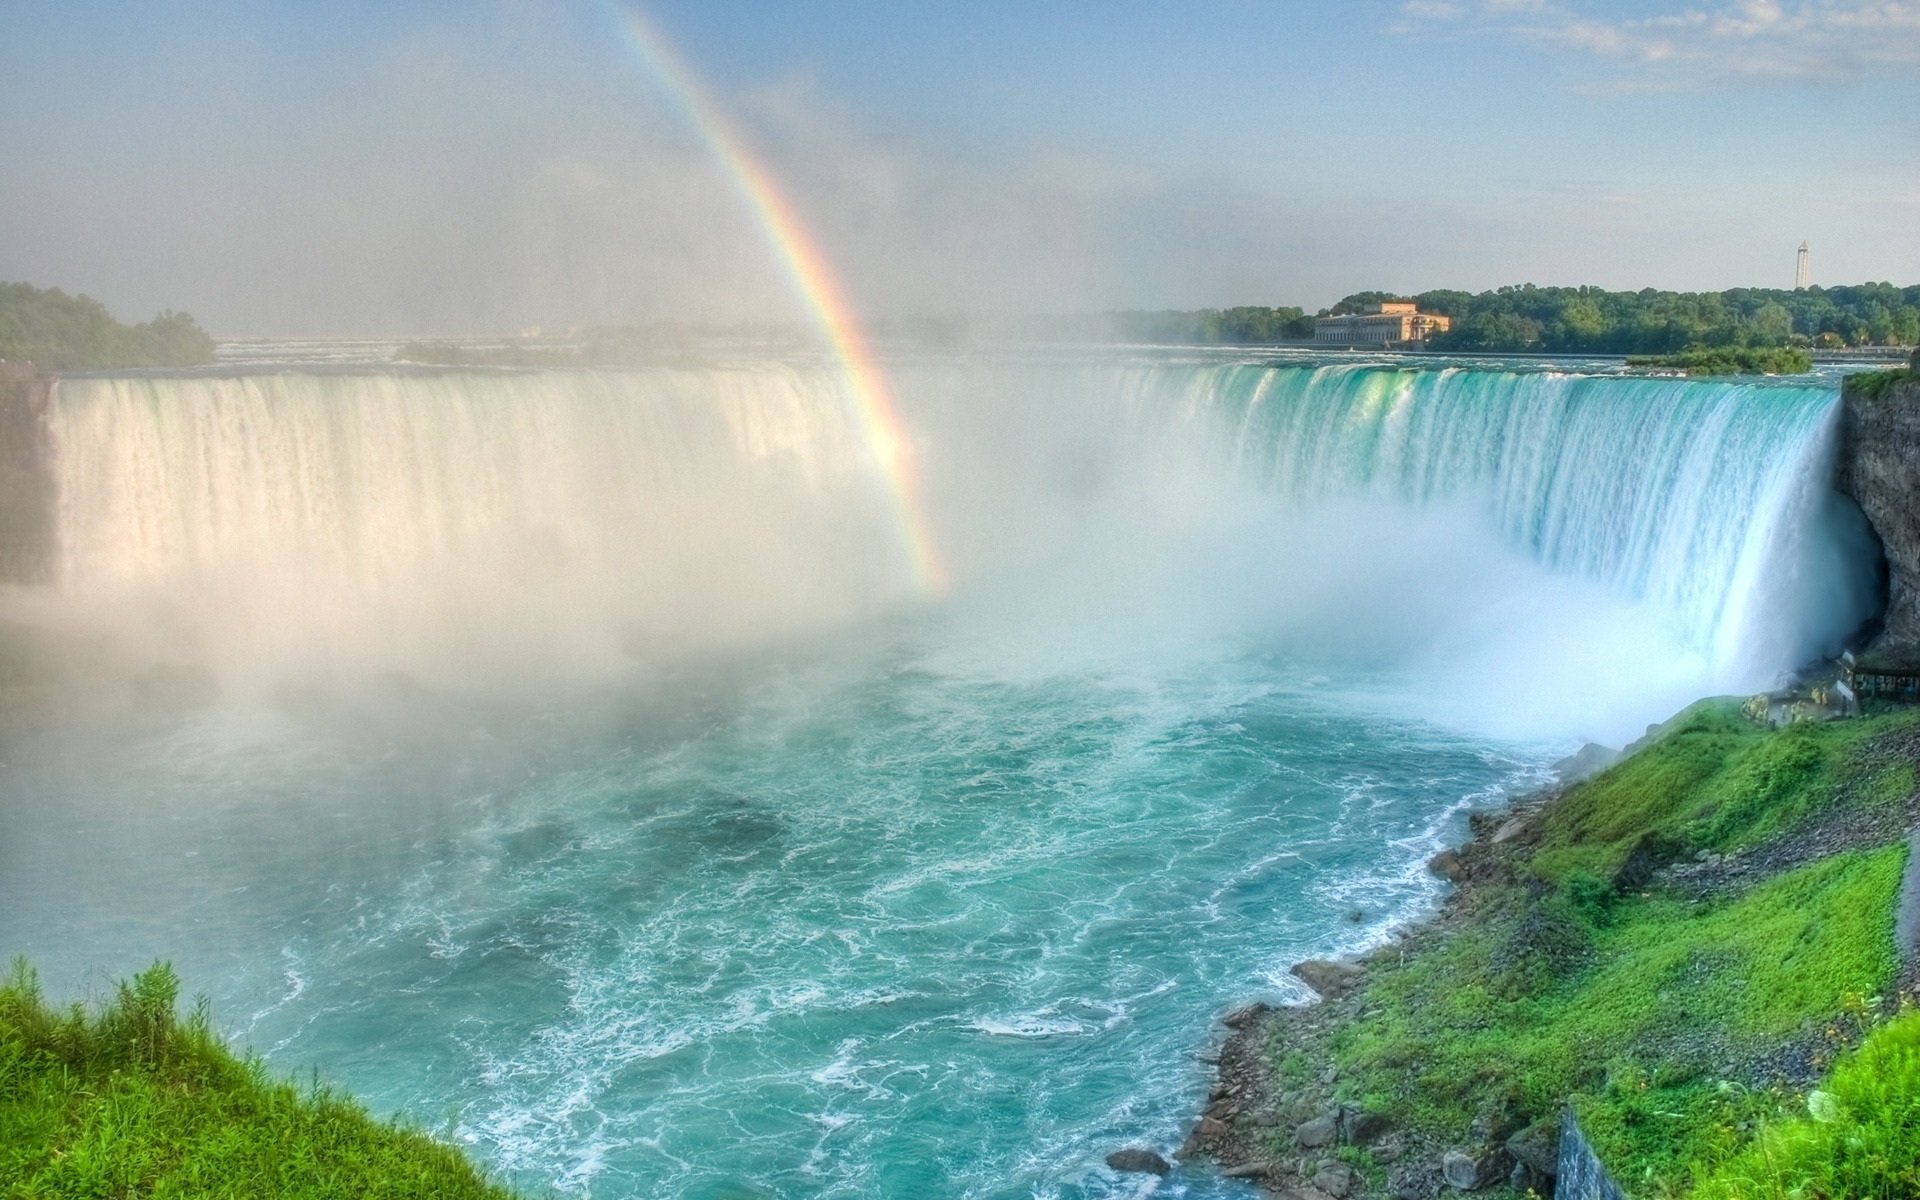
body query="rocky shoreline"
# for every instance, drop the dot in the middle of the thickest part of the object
(1251, 1106)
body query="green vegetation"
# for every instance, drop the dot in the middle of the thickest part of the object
(1566, 320)
(1576, 973)
(1873, 385)
(1732, 360)
(1859, 1136)
(58, 332)
(132, 1100)
(1587, 320)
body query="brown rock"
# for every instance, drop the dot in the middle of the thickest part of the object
(1246, 1015)
(1211, 1127)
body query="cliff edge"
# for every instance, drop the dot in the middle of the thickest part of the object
(1879, 467)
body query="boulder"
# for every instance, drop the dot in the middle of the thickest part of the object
(1509, 829)
(1246, 1015)
(1537, 1147)
(1211, 1127)
(1138, 1160)
(1469, 1172)
(1321, 1131)
(1448, 865)
(1330, 979)
(1357, 1128)
(1337, 1180)
(1256, 1170)
(1524, 1179)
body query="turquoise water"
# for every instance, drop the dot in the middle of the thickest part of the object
(558, 759)
(871, 923)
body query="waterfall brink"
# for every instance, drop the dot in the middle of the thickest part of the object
(269, 524)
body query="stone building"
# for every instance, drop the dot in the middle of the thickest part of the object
(1394, 323)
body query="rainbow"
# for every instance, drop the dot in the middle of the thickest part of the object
(813, 279)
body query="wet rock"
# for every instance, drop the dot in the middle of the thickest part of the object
(1330, 979)
(1246, 1015)
(1138, 1160)
(1358, 1128)
(1321, 1131)
(1448, 865)
(1471, 1172)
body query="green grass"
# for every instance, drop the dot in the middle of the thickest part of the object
(133, 1100)
(1859, 1136)
(1639, 1005)
(1714, 782)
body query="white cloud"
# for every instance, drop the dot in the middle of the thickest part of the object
(1717, 43)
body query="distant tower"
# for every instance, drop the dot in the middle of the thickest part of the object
(1802, 269)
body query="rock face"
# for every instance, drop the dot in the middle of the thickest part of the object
(26, 482)
(1879, 468)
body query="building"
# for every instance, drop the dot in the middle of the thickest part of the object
(1394, 323)
(1802, 269)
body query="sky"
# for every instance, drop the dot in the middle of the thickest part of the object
(423, 167)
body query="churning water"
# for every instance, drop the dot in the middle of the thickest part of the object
(565, 760)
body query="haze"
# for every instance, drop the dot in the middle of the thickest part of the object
(443, 168)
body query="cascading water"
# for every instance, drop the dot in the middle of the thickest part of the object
(586, 774)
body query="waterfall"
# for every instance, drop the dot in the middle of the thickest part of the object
(433, 520)
(415, 520)
(1710, 501)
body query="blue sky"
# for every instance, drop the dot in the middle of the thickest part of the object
(358, 167)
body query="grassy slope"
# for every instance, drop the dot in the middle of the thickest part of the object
(134, 1101)
(1665, 1016)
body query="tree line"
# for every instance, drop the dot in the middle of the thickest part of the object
(58, 332)
(1590, 320)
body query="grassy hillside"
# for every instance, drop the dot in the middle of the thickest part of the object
(132, 1100)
